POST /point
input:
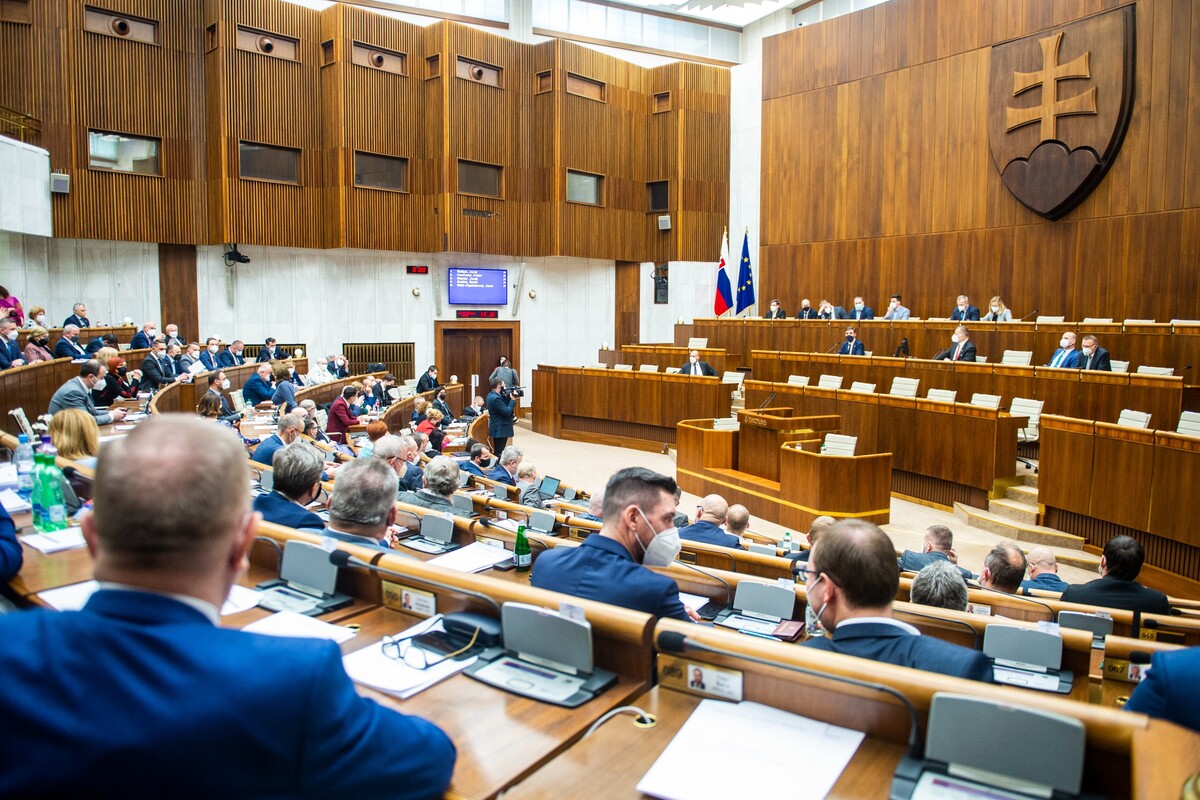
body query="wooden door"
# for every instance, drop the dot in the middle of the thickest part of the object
(474, 348)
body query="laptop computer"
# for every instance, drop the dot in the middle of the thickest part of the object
(546, 656)
(549, 487)
(1027, 658)
(758, 608)
(437, 533)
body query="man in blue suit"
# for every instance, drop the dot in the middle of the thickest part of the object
(964, 311)
(852, 579)
(610, 566)
(1169, 689)
(78, 317)
(231, 356)
(144, 339)
(1043, 572)
(506, 471)
(142, 693)
(852, 346)
(11, 554)
(296, 471)
(861, 310)
(500, 404)
(10, 353)
(477, 464)
(713, 511)
(257, 388)
(363, 506)
(1066, 356)
(938, 546)
(1093, 356)
(68, 346)
(270, 352)
(209, 356)
(288, 430)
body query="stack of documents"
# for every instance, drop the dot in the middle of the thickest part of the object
(370, 667)
(57, 541)
(8, 475)
(474, 557)
(293, 625)
(754, 742)
(13, 503)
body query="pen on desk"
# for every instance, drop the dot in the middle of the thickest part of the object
(756, 633)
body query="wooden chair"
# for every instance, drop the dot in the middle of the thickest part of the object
(1133, 419)
(904, 387)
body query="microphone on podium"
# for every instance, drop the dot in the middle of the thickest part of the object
(1033, 313)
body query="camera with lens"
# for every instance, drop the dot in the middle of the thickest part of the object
(514, 391)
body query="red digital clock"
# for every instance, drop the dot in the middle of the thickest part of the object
(476, 313)
(413, 269)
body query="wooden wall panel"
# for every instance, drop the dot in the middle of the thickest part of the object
(891, 188)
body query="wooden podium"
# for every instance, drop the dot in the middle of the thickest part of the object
(765, 430)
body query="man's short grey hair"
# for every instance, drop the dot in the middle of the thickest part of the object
(527, 470)
(737, 519)
(596, 504)
(1006, 565)
(511, 455)
(363, 493)
(72, 328)
(940, 584)
(296, 468)
(441, 476)
(389, 446)
(291, 422)
(941, 537)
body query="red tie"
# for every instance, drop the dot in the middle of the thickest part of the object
(957, 350)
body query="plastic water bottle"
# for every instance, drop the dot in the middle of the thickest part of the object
(48, 488)
(24, 462)
(787, 541)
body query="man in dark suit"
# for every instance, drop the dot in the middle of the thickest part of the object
(1118, 586)
(218, 384)
(269, 352)
(1066, 356)
(156, 659)
(363, 506)
(500, 405)
(827, 310)
(336, 366)
(158, 368)
(287, 430)
(440, 404)
(1169, 688)
(964, 311)
(10, 353)
(638, 532)
(695, 366)
(961, 347)
(296, 471)
(77, 393)
(938, 546)
(506, 469)
(861, 310)
(231, 356)
(258, 388)
(68, 346)
(776, 311)
(851, 578)
(1043, 572)
(209, 356)
(480, 460)
(806, 310)
(107, 340)
(474, 410)
(852, 346)
(1093, 356)
(171, 331)
(78, 317)
(144, 339)
(707, 527)
(428, 381)
(382, 390)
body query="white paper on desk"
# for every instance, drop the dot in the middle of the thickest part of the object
(124, 427)
(474, 557)
(240, 599)
(69, 598)
(752, 740)
(370, 667)
(505, 524)
(196, 367)
(8, 475)
(692, 601)
(46, 543)
(291, 624)
(113, 436)
(13, 503)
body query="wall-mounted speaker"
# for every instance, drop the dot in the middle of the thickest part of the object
(120, 26)
(664, 222)
(378, 59)
(477, 72)
(60, 183)
(265, 44)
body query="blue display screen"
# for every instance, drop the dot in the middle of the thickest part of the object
(478, 287)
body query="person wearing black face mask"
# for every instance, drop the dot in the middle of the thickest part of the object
(852, 346)
(38, 346)
(440, 404)
(116, 384)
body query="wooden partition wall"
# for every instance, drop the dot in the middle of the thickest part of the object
(890, 187)
(348, 80)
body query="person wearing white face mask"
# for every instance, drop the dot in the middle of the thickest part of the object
(144, 339)
(77, 393)
(1066, 356)
(217, 383)
(963, 310)
(851, 580)
(695, 366)
(861, 310)
(997, 311)
(336, 366)
(961, 347)
(10, 353)
(209, 356)
(610, 566)
(1093, 356)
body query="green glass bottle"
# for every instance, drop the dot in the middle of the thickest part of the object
(522, 555)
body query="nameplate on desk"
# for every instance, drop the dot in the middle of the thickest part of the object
(977, 608)
(699, 677)
(1119, 669)
(399, 597)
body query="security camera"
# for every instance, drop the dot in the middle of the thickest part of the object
(235, 256)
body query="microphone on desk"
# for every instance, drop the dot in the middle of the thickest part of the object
(677, 643)
(1033, 313)
(341, 558)
(836, 345)
(718, 578)
(764, 403)
(487, 523)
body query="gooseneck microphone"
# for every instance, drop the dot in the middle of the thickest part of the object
(341, 558)
(678, 643)
(1033, 313)
(707, 574)
(487, 523)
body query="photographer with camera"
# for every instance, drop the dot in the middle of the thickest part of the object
(500, 403)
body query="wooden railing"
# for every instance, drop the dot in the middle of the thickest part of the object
(21, 127)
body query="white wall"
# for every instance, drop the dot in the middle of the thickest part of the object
(115, 279)
(24, 188)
